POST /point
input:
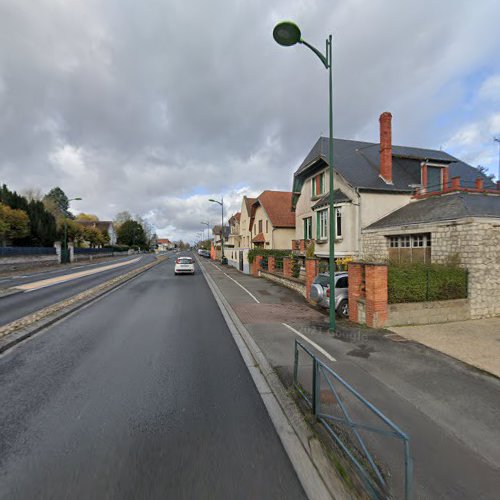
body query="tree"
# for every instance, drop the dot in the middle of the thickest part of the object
(59, 201)
(42, 225)
(14, 223)
(122, 217)
(87, 217)
(93, 236)
(131, 233)
(32, 194)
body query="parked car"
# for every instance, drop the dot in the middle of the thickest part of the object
(320, 292)
(184, 265)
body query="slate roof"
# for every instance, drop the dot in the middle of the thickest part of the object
(453, 206)
(358, 162)
(278, 206)
(217, 230)
(338, 196)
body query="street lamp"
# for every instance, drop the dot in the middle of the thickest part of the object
(207, 223)
(287, 34)
(221, 203)
(496, 139)
(66, 254)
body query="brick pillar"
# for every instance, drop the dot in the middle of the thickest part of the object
(479, 184)
(271, 264)
(311, 273)
(355, 272)
(455, 182)
(287, 267)
(213, 254)
(376, 295)
(256, 265)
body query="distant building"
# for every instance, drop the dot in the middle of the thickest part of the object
(164, 244)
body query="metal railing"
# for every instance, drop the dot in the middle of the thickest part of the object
(340, 408)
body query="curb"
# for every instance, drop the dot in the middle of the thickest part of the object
(14, 338)
(305, 451)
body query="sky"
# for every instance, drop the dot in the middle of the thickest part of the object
(156, 106)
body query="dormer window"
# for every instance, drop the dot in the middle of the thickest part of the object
(434, 177)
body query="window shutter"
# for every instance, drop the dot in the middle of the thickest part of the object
(318, 221)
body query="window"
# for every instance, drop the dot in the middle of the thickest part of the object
(341, 282)
(338, 226)
(308, 228)
(410, 247)
(318, 184)
(322, 225)
(260, 226)
(267, 226)
(418, 241)
(394, 241)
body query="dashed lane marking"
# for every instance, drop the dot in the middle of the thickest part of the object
(307, 339)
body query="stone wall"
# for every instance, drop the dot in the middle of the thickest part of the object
(292, 283)
(474, 243)
(12, 263)
(425, 313)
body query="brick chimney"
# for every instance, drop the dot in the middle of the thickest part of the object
(386, 147)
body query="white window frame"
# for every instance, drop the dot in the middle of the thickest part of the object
(323, 224)
(338, 215)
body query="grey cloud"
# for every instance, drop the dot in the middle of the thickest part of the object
(165, 99)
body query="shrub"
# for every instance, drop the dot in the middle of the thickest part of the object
(266, 253)
(426, 282)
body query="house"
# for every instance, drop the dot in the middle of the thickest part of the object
(164, 244)
(264, 222)
(238, 255)
(371, 181)
(456, 223)
(272, 221)
(234, 231)
(217, 231)
(106, 227)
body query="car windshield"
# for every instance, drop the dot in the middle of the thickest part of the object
(185, 260)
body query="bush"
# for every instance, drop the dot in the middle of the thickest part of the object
(426, 282)
(266, 253)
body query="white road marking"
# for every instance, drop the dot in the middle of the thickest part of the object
(240, 285)
(316, 346)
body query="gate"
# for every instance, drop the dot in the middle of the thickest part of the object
(240, 260)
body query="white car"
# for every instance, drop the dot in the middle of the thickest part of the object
(184, 265)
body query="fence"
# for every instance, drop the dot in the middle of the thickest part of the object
(352, 421)
(19, 251)
(93, 250)
(423, 283)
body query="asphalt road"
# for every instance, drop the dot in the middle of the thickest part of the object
(16, 306)
(143, 394)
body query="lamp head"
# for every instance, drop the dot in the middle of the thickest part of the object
(287, 33)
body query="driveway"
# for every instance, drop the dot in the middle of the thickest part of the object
(475, 342)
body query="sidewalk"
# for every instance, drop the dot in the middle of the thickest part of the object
(476, 342)
(450, 412)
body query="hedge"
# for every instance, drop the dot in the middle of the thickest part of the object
(254, 252)
(426, 282)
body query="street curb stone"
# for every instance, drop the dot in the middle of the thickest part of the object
(313, 467)
(15, 332)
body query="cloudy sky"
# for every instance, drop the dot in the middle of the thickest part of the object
(155, 106)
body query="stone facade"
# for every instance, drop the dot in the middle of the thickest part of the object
(474, 243)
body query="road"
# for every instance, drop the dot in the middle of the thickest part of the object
(143, 394)
(16, 306)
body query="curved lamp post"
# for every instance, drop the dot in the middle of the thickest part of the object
(66, 254)
(206, 223)
(221, 203)
(287, 34)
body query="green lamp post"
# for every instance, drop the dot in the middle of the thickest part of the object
(287, 34)
(223, 259)
(65, 258)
